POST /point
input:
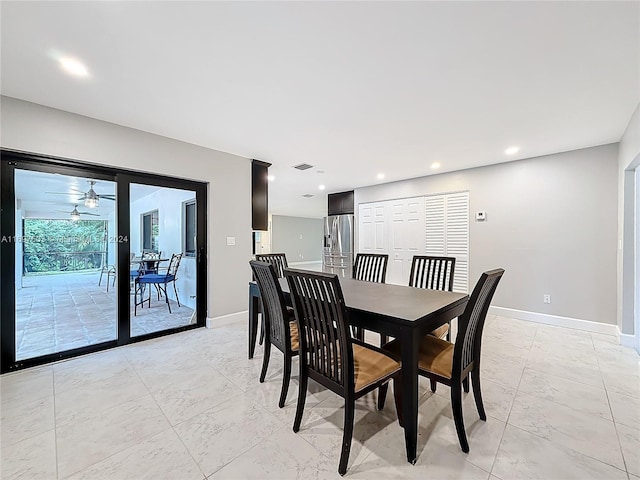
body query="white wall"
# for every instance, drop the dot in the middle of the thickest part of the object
(34, 128)
(551, 223)
(628, 160)
(168, 202)
(300, 238)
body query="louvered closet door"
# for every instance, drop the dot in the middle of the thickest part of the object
(447, 233)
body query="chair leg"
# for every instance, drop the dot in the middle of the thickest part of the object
(383, 339)
(100, 280)
(166, 297)
(465, 384)
(397, 396)
(175, 290)
(265, 360)
(382, 395)
(286, 377)
(475, 380)
(302, 396)
(434, 385)
(347, 434)
(449, 333)
(261, 325)
(456, 406)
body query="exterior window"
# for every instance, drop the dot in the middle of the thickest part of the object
(150, 231)
(189, 228)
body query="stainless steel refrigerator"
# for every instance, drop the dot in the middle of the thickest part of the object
(338, 244)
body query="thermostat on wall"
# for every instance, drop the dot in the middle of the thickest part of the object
(481, 216)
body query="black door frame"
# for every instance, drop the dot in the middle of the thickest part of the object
(9, 161)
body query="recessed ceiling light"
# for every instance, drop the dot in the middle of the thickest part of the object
(73, 67)
(512, 150)
(271, 178)
(435, 165)
(321, 187)
(380, 176)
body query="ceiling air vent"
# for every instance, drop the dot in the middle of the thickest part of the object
(307, 195)
(303, 166)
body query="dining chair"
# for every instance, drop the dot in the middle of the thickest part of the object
(109, 270)
(435, 273)
(370, 267)
(160, 281)
(279, 262)
(328, 353)
(281, 329)
(452, 363)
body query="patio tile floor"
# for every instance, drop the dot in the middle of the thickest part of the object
(55, 313)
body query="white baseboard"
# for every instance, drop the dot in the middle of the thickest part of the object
(567, 322)
(625, 339)
(213, 322)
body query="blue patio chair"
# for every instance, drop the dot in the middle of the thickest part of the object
(160, 281)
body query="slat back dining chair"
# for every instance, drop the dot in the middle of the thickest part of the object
(278, 260)
(451, 364)
(371, 267)
(280, 327)
(329, 355)
(434, 273)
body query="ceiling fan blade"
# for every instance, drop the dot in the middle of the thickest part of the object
(87, 213)
(66, 193)
(108, 197)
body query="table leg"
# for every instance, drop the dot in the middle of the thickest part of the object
(253, 318)
(410, 344)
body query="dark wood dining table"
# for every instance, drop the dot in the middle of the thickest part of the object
(405, 313)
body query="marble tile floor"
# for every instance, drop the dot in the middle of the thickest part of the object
(55, 313)
(561, 404)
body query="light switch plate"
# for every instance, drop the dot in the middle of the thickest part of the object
(231, 240)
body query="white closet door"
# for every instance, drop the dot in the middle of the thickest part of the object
(373, 227)
(458, 238)
(447, 233)
(434, 225)
(406, 237)
(366, 227)
(435, 209)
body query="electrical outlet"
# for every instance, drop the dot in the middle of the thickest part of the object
(547, 298)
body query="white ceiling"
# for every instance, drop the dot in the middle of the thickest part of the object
(47, 195)
(353, 88)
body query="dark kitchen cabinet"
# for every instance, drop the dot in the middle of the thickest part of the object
(259, 195)
(341, 203)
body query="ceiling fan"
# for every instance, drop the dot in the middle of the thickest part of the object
(91, 198)
(75, 214)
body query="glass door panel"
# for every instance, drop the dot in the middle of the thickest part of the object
(163, 267)
(65, 295)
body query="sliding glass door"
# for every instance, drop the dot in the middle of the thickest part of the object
(64, 274)
(93, 258)
(162, 242)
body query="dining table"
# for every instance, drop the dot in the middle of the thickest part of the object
(148, 264)
(406, 313)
